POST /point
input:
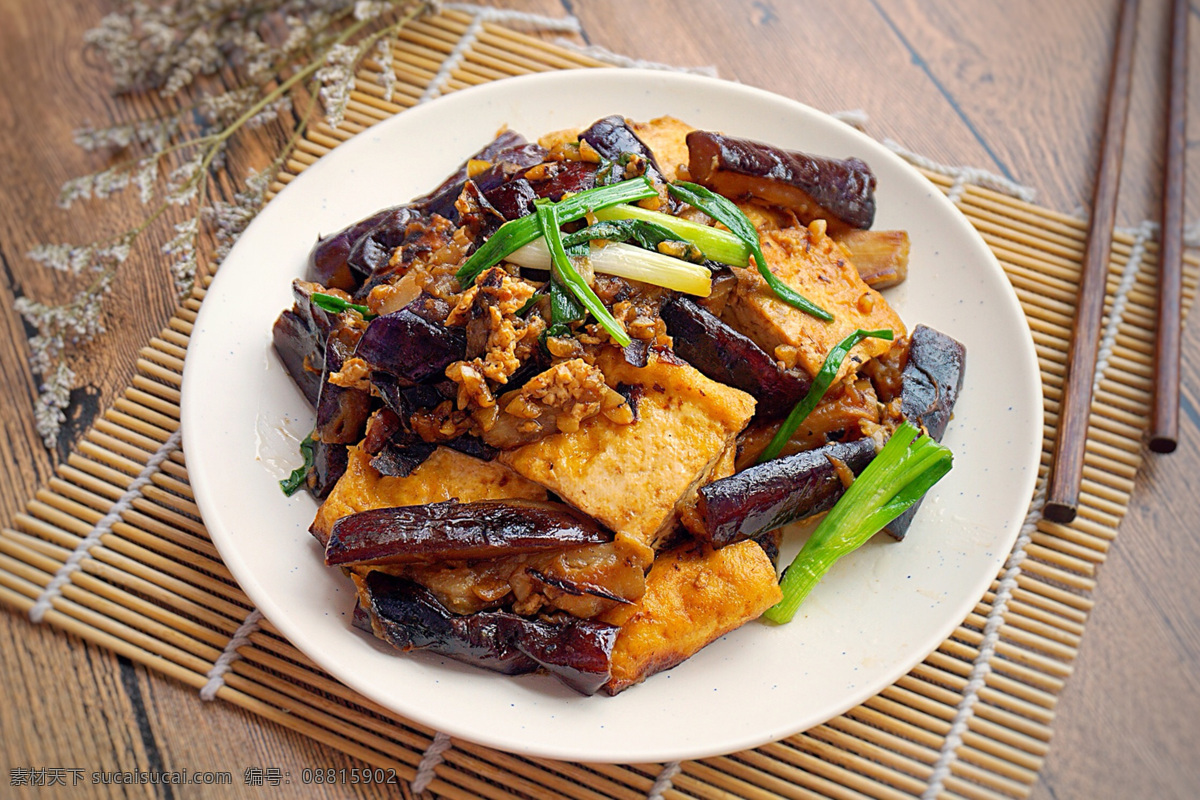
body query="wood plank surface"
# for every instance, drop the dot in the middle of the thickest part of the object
(1016, 88)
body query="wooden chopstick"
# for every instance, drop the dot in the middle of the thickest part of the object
(1066, 465)
(1164, 428)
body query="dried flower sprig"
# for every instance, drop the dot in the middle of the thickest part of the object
(287, 54)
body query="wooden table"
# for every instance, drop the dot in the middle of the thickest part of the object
(1016, 88)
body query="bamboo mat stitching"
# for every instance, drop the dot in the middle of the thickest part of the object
(224, 662)
(431, 759)
(479, 16)
(1128, 277)
(617, 60)
(54, 588)
(963, 176)
(664, 780)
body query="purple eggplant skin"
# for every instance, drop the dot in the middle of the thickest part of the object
(456, 531)
(372, 250)
(473, 446)
(930, 385)
(328, 261)
(729, 357)
(576, 651)
(329, 464)
(300, 335)
(516, 197)
(841, 191)
(297, 348)
(410, 348)
(408, 616)
(507, 153)
(341, 411)
(399, 460)
(612, 136)
(770, 495)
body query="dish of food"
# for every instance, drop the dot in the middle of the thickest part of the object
(877, 612)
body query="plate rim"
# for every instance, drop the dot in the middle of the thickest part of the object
(260, 595)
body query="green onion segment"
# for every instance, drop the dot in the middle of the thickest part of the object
(294, 482)
(627, 261)
(716, 244)
(518, 232)
(336, 305)
(548, 220)
(820, 385)
(725, 212)
(905, 469)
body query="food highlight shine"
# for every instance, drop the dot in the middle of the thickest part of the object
(567, 402)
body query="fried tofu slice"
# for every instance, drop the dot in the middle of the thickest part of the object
(630, 477)
(816, 266)
(694, 594)
(667, 139)
(447, 474)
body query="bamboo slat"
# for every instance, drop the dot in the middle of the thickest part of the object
(154, 590)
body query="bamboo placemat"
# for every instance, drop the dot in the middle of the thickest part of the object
(973, 720)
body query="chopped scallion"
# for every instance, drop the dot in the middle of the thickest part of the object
(905, 469)
(716, 244)
(725, 212)
(549, 221)
(295, 482)
(336, 305)
(629, 262)
(518, 232)
(820, 385)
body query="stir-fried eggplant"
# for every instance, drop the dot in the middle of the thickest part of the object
(341, 410)
(725, 355)
(399, 460)
(612, 137)
(510, 484)
(329, 464)
(839, 191)
(932, 381)
(576, 651)
(299, 337)
(457, 531)
(770, 495)
(329, 260)
(409, 347)
(506, 153)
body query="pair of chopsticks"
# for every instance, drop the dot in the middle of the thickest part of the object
(1066, 470)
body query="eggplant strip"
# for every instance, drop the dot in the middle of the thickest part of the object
(576, 651)
(458, 531)
(772, 494)
(930, 385)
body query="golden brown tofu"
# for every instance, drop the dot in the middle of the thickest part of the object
(445, 475)
(813, 264)
(629, 477)
(693, 595)
(667, 139)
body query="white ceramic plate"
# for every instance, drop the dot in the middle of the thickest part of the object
(877, 614)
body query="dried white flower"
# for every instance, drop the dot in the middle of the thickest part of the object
(387, 66)
(182, 251)
(184, 181)
(337, 79)
(166, 46)
(50, 408)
